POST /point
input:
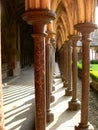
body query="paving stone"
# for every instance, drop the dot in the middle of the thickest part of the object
(19, 97)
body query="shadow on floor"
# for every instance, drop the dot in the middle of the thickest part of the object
(27, 114)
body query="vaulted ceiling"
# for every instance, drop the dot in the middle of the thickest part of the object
(12, 10)
(69, 13)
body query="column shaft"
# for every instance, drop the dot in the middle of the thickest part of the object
(85, 81)
(85, 29)
(49, 115)
(74, 71)
(66, 65)
(69, 88)
(38, 18)
(52, 98)
(40, 86)
(74, 104)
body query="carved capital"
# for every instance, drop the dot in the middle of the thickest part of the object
(75, 38)
(38, 16)
(85, 28)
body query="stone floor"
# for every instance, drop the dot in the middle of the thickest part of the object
(19, 96)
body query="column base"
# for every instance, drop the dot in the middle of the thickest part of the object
(68, 92)
(17, 69)
(63, 79)
(74, 105)
(53, 81)
(53, 88)
(65, 85)
(52, 98)
(10, 72)
(80, 127)
(49, 117)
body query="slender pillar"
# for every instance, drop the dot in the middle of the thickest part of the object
(85, 29)
(66, 64)
(74, 104)
(51, 73)
(54, 50)
(53, 42)
(38, 18)
(69, 87)
(50, 64)
(63, 63)
(49, 115)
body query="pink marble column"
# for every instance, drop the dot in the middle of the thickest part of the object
(69, 86)
(38, 18)
(66, 65)
(85, 29)
(61, 62)
(74, 104)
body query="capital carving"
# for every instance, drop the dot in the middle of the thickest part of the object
(75, 38)
(85, 28)
(41, 16)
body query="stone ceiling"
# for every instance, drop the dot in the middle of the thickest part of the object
(69, 13)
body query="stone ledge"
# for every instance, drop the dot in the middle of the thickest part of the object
(94, 84)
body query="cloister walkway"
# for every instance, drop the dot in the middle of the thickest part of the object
(18, 96)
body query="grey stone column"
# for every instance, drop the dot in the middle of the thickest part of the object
(49, 115)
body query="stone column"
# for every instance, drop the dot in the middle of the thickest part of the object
(69, 87)
(61, 62)
(17, 69)
(52, 58)
(11, 53)
(13, 66)
(85, 29)
(49, 115)
(53, 42)
(50, 64)
(74, 104)
(66, 64)
(38, 18)
(51, 72)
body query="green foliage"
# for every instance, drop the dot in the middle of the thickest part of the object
(94, 67)
(79, 66)
(93, 70)
(80, 61)
(94, 75)
(94, 62)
